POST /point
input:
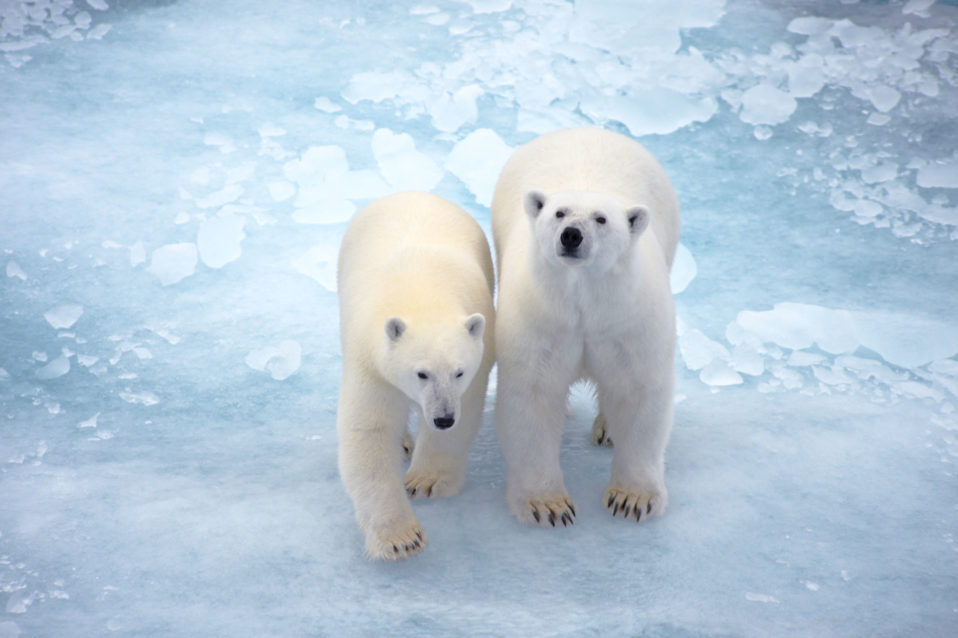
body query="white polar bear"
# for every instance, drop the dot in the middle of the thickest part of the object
(416, 320)
(586, 225)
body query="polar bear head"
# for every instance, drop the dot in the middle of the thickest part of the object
(583, 228)
(433, 362)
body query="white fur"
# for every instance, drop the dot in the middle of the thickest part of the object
(416, 322)
(600, 310)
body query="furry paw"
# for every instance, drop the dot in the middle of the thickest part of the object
(396, 543)
(635, 504)
(599, 434)
(432, 484)
(549, 510)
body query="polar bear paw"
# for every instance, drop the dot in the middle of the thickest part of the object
(635, 504)
(600, 436)
(548, 510)
(433, 484)
(397, 543)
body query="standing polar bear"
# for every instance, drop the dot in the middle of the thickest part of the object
(416, 320)
(586, 225)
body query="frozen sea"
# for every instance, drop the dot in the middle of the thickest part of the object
(175, 177)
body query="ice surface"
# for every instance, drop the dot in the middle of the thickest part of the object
(175, 181)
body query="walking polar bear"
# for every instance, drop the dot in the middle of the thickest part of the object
(586, 225)
(416, 319)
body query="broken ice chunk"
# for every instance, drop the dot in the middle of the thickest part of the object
(477, 160)
(940, 174)
(401, 164)
(219, 240)
(63, 317)
(14, 270)
(56, 368)
(765, 104)
(684, 270)
(281, 362)
(173, 262)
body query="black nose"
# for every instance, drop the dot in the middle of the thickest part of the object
(444, 422)
(571, 237)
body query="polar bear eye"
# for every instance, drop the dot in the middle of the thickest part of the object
(422, 375)
(459, 374)
(600, 219)
(560, 213)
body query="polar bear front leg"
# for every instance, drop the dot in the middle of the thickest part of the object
(439, 459)
(529, 420)
(639, 420)
(370, 464)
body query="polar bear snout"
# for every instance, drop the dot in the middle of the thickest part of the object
(573, 244)
(570, 238)
(444, 422)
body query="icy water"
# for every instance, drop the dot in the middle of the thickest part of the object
(174, 181)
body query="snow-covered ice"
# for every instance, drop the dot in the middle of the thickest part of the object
(175, 180)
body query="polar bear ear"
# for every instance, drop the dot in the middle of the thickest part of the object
(475, 325)
(394, 328)
(638, 217)
(533, 202)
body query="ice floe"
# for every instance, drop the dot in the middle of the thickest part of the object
(64, 316)
(476, 160)
(173, 262)
(220, 240)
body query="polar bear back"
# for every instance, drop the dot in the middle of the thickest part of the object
(411, 254)
(589, 159)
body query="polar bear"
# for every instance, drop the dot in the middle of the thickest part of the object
(585, 225)
(416, 323)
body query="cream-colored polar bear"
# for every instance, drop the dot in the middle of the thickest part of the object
(416, 320)
(586, 225)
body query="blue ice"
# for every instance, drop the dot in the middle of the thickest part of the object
(175, 178)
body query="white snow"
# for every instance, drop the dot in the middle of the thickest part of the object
(173, 262)
(63, 316)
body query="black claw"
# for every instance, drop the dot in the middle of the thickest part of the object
(395, 550)
(616, 510)
(648, 510)
(552, 518)
(535, 515)
(412, 491)
(419, 535)
(429, 492)
(611, 500)
(571, 507)
(566, 519)
(638, 515)
(626, 510)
